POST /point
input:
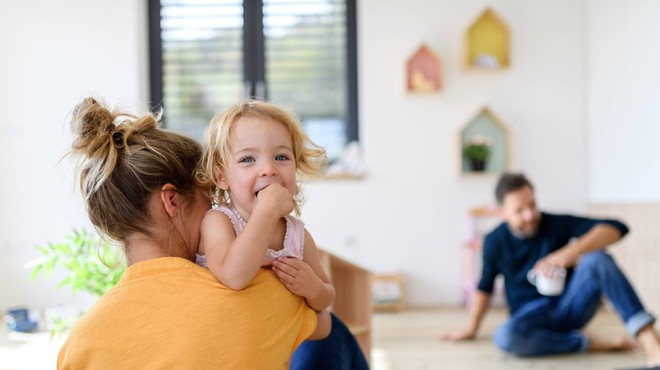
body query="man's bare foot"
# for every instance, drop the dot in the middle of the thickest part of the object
(653, 360)
(648, 339)
(611, 344)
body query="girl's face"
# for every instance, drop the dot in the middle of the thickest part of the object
(261, 154)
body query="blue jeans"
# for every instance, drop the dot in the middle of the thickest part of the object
(339, 351)
(551, 325)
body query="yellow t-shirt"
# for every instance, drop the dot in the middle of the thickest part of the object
(168, 313)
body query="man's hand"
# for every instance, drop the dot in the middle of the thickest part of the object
(459, 335)
(598, 238)
(481, 301)
(564, 257)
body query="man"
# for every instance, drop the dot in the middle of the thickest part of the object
(543, 242)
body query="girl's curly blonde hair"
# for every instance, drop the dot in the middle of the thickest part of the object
(310, 158)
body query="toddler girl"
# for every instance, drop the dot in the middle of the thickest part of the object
(253, 154)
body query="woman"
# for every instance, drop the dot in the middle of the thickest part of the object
(166, 312)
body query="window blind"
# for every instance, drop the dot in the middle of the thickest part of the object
(290, 52)
(202, 48)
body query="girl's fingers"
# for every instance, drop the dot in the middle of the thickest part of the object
(285, 265)
(284, 273)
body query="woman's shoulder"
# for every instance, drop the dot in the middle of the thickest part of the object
(167, 296)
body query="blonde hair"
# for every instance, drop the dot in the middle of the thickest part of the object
(310, 158)
(122, 160)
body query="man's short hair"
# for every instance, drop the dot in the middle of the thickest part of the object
(510, 182)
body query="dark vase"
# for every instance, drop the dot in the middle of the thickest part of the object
(478, 165)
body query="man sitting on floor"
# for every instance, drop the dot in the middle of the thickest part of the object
(543, 242)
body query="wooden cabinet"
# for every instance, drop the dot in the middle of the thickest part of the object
(353, 299)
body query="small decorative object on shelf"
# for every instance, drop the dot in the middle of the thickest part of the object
(351, 164)
(477, 152)
(487, 43)
(387, 292)
(423, 71)
(484, 143)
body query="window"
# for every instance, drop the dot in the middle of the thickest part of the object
(206, 55)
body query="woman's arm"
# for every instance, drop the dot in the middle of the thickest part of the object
(323, 326)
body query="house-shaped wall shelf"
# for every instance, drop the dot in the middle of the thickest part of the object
(485, 128)
(487, 43)
(423, 71)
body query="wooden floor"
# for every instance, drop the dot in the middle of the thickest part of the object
(406, 341)
(401, 341)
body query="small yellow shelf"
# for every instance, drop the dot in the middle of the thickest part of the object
(487, 43)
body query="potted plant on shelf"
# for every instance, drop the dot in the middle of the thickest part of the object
(477, 151)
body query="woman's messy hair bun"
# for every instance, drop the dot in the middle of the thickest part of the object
(100, 137)
(122, 160)
(92, 124)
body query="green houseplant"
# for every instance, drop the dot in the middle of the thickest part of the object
(477, 151)
(93, 265)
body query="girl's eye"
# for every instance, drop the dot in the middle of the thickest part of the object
(281, 157)
(246, 160)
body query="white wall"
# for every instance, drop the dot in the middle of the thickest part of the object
(623, 107)
(53, 54)
(407, 215)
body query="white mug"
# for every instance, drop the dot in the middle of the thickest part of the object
(552, 285)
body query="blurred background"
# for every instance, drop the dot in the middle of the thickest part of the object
(577, 99)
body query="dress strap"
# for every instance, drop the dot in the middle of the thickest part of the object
(233, 215)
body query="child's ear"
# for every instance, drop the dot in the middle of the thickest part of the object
(220, 177)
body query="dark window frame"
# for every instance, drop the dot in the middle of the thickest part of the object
(254, 59)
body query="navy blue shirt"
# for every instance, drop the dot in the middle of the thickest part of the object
(511, 256)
